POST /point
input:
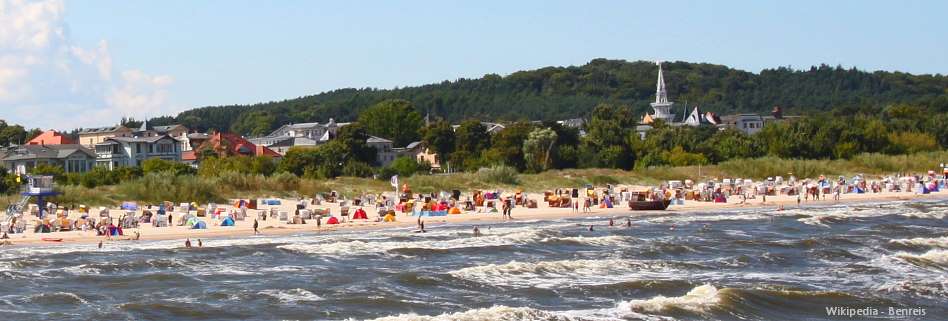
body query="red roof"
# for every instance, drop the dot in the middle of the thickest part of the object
(189, 156)
(51, 137)
(233, 145)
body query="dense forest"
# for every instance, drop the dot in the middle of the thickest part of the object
(553, 93)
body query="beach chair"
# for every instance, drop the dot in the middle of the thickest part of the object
(344, 213)
(284, 216)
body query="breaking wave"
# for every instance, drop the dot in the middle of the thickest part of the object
(501, 313)
(941, 242)
(292, 295)
(548, 274)
(700, 300)
(518, 237)
(932, 258)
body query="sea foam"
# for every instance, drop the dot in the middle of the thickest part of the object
(700, 300)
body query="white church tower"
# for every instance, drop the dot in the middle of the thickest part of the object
(662, 106)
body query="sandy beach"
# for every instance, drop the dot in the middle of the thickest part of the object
(543, 212)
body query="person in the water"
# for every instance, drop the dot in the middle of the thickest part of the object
(611, 223)
(187, 243)
(477, 232)
(200, 244)
(628, 222)
(590, 228)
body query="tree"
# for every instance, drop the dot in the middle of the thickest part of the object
(506, 146)
(255, 123)
(353, 138)
(394, 119)
(157, 165)
(405, 167)
(911, 142)
(538, 147)
(610, 137)
(472, 137)
(440, 138)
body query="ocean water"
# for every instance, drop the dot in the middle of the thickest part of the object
(748, 264)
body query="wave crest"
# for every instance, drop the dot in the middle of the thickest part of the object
(700, 299)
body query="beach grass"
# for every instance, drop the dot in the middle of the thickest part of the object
(155, 187)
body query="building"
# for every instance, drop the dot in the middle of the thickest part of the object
(178, 132)
(384, 154)
(748, 123)
(430, 157)
(132, 151)
(662, 106)
(73, 158)
(661, 110)
(282, 146)
(90, 137)
(51, 137)
(227, 145)
(314, 131)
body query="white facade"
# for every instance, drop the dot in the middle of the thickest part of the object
(132, 151)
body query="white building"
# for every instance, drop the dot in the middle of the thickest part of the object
(314, 131)
(748, 123)
(662, 106)
(132, 151)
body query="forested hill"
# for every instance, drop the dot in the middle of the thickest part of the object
(564, 92)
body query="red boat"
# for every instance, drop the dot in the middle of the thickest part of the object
(51, 239)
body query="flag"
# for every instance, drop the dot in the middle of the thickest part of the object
(395, 181)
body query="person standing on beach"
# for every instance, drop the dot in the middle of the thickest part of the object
(255, 226)
(200, 244)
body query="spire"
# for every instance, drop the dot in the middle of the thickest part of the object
(662, 106)
(144, 126)
(661, 95)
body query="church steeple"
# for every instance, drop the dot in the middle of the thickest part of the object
(661, 95)
(661, 105)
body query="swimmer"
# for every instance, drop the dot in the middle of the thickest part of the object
(590, 228)
(611, 223)
(477, 232)
(187, 243)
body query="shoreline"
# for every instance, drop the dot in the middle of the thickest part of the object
(274, 227)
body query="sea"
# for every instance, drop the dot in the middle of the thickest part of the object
(843, 262)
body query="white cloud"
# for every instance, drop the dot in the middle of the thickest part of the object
(48, 81)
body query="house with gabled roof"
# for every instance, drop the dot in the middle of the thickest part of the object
(73, 158)
(116, 152)
(89, 137)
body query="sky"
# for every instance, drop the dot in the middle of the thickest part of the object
(85, 63)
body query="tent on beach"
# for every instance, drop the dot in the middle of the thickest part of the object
(228, 221)
(332, 220)
(360, 215)
(199, 225)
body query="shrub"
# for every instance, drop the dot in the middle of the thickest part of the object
(498, 174)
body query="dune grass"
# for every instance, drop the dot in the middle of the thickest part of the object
(153, 188)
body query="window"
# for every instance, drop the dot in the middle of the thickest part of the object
(138, 148)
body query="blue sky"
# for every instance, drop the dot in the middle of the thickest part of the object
(87, 63)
